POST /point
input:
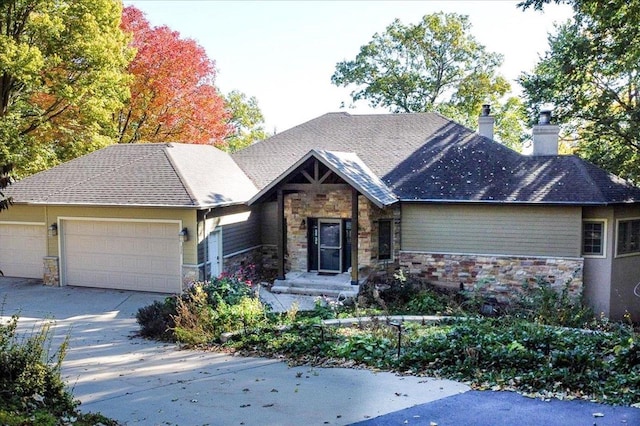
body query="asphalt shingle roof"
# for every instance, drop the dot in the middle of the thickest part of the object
(168, 175)
(427, 157)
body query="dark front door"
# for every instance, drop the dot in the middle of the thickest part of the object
(329, 245)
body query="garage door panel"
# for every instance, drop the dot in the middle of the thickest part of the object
(142, 256)
(22, 250)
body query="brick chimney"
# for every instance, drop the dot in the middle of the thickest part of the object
(545, 135)
(485, 122)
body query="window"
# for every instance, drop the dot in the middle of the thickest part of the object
(628, 236)
(593, 238)
(384, 240)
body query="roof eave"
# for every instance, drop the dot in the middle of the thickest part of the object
(175, 206)
(518, 202)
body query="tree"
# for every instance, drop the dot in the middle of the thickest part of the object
(62, 75)
(246, 120)
(435, 65)
(591, 74)
(173, 97)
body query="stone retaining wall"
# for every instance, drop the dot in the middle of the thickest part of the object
(495, 276)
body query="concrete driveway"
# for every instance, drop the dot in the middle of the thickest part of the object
(137, 381)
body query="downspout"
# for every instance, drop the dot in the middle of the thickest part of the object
(206, 245)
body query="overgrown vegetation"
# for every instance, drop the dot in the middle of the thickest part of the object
(206, 310)
(31, 388)
(546, 344)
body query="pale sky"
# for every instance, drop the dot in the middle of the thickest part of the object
(284, 52)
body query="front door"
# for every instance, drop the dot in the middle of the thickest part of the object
(329, 245)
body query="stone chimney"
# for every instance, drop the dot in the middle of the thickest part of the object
(545, 135)
(485, 122)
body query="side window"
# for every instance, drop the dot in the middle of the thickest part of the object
(628, 237)
(593, 234)
(384, 239)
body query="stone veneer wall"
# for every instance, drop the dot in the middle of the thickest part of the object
(332, 205)
(234, 262)
(51, 275)
(270, 258)
(497, 276)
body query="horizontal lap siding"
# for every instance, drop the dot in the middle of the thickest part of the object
(241, 235)
(482, 229)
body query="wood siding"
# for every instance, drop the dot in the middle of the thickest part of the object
(269, 214)
(241, 235)
(484, 229)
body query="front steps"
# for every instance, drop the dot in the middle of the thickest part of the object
(313, 284)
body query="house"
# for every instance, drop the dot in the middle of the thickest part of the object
(448, 205)
(417, 191)
(146, 217)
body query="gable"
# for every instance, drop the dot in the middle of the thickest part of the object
(326, 169)
(428, 158)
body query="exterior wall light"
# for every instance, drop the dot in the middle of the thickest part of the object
(53, 230)
(184, 235)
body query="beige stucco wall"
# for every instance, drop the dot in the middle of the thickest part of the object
(625, 273)
(492, 229)
(23, 213)
(597, 270)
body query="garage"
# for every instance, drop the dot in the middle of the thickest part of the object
(119, 254)
(22, 249)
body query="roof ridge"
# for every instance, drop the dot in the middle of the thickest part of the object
(93, 177)
(579, 163)
(182, 179)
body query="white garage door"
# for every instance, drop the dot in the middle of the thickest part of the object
(22, 248)
(143, 256)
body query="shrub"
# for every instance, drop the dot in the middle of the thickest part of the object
(543, 304)
(156, 320)
(30, 381)
(203, 312)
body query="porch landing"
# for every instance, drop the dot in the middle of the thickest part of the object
(314, 284)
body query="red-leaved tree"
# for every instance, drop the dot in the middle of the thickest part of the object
(173, 96)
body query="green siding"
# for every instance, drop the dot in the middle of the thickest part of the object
(484, 229)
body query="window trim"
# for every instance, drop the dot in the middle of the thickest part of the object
(604, 238)
(626, 219)
(390, 222)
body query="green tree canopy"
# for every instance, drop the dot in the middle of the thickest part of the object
(246, 121)
(591, 74)
(62, 76)
(435, 65)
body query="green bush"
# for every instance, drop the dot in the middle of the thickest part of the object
(156, 320)
(543, 304)
(30, 381)
(202, 313)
